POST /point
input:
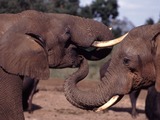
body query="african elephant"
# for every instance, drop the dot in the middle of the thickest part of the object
(29, 89)
(134, 64)
(152, 106)
(133, 95)
(31, 42)
(133, 98)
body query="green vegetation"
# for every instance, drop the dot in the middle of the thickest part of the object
(105, 9)
(94, 67)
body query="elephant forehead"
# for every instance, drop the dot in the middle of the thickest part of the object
(135, 47)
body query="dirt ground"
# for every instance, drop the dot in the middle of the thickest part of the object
(50, 104)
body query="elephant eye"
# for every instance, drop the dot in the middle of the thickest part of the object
(126, 61)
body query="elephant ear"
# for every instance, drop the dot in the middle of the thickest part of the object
(156, 52)
(24, 54)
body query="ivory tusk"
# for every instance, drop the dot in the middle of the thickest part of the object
(108, 43)
(108, 104)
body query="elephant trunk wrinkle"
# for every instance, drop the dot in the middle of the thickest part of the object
(85, 99)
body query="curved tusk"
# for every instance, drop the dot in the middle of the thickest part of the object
(109, 42)
(108, 104)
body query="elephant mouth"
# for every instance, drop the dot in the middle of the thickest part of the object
(90, 49)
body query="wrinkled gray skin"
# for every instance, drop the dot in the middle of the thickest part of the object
(32, 42)
(133, 95)
(134, 64)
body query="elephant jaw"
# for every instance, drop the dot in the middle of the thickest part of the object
(108, 43)
(108, 104)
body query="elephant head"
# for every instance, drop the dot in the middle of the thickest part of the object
(31, 42)
(134, 64)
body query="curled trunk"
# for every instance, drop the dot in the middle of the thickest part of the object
(87, 99)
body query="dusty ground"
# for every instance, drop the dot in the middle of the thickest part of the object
(50, 104)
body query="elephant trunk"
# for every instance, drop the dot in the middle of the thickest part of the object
(86, 99)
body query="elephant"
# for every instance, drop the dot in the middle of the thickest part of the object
(133, 95)
(133, 98)
(29, 89)
(151, 103)
(152, 106)
(31, 42)
(134, 65)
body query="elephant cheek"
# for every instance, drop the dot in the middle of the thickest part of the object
(128, 83)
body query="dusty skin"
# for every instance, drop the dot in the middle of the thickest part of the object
(50, 104)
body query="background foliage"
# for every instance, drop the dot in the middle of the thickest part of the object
(105, 9)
